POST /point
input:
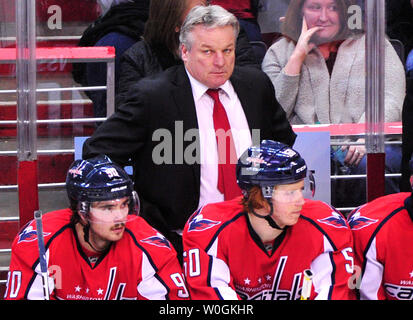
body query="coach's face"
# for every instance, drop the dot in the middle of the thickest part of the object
(211, 58)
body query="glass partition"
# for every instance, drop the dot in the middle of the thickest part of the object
(332, 64)
(59, 103)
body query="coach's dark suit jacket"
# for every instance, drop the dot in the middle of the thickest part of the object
(170, 192)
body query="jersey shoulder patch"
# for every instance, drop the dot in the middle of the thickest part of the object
(324, 214)
(357, 221)
(199, 223)
(52, 222)
(335, 220)
(157, 240)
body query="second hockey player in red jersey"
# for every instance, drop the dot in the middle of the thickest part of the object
(99, 249)
(383, 238)
(259, 245)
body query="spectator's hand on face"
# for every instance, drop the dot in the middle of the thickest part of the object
(304, 46)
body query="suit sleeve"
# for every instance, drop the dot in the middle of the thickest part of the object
(281, 127)
(123, 134)
(208, 275)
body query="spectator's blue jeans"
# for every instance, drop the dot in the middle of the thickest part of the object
(352, 192)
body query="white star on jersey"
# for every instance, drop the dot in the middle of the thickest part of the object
(411, 274)
(77, 288)
(247, 281)
(100, 291)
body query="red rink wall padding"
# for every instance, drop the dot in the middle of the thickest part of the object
(8, 230)
(375, 181)
(50, 168)
(28, 190)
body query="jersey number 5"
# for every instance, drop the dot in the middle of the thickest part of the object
(348, 256)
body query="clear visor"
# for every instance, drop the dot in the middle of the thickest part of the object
(115, 211)
(295, 192)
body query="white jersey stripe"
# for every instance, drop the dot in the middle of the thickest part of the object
(150, 287)
(323, 268)
(36, 289)
(372, 276)
(220, 275)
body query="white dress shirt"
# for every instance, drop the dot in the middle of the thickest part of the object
(204, 106)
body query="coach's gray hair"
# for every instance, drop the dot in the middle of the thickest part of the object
(208, 16)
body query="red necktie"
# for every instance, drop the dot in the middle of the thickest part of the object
(227, 155)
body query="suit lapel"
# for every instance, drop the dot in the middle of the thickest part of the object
(185, 106)
(184, 100)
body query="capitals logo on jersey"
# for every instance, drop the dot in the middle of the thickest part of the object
(200, 224)
(158, 240)
(358, 222)
(336, 220)
(29, 235)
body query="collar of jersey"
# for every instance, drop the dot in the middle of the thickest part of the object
(277, 241)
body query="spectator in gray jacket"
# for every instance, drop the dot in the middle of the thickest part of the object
(318, 71)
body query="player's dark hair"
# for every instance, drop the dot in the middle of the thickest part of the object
(164, 17)
(74, 206)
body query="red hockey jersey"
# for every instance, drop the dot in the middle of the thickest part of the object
(142, 265)
(225, 259)
(383, 238)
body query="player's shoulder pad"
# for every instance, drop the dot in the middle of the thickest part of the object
(328, 222)
(211, 217)
(148, 237)
(52, 223)
(324, 215)
(368, 216)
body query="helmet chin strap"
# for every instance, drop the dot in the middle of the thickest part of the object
(83, 210)
(267, 217)
(86, 230)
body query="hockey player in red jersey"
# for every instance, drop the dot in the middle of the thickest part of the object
(383, 238)
(257, 246)
(99, 248)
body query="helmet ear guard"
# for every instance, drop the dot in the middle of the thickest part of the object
(134, 205)
(267, 191)
(83, 208)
